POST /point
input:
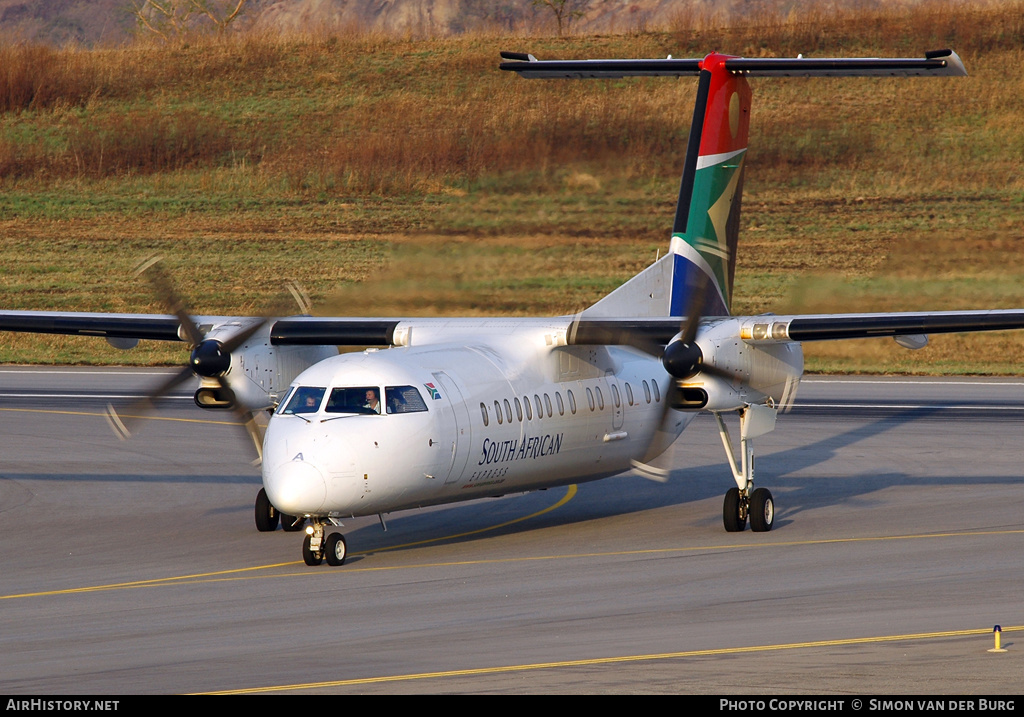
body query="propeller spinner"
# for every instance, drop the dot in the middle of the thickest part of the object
(210, 360)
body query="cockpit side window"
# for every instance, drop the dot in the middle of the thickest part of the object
(403, 399)
(357, 399)
(305, 399)
(283, 403)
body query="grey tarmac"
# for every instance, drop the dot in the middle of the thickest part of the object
(135, 568)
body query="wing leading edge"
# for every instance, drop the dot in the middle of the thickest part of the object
(294, 331)
(769, 328)
(334, 331)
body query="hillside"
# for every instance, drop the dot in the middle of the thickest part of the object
(92, 23)
(342, 158)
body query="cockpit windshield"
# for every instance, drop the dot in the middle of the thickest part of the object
(404, 399)
(305, 399)
(361, 399)
(354, 399)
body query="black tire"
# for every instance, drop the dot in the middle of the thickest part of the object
(310, 557)
(732, 517)
(266, 513)
(762, 510)
(335, 549)
(290, 524)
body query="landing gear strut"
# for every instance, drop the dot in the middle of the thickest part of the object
(312, 544)
(744, 501)
(317, 545)
(291, 524)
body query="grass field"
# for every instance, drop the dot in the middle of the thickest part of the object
(395, 176)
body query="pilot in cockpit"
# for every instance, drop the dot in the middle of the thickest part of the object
(372, 401)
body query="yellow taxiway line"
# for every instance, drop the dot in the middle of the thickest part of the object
(247, 573)
(563, 664)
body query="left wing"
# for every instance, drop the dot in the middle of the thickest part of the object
(117, 326)
(294, 331)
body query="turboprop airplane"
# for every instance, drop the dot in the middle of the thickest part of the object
(460, 408)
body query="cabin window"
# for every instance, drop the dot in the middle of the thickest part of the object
(657, 391)
(600, 397)
(561, 406)
(483, 413)
(615, 396)
(403, 399)
(508, 411)
(590, 398)
(497, 412)
(519, 409)
(647, 392)
(536, 402)
(305, 399)
(572, 401)
(547, 405)
(629, 394)
(356, 399)
(529, 408)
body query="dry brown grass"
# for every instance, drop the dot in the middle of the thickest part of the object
(366, 113)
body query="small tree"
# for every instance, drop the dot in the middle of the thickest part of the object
(220, 13)
(176, 18)
(565, 11)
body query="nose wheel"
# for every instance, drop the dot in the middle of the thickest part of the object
(317, 546)
(335, 549)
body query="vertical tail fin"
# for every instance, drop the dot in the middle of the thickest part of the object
(706, 226)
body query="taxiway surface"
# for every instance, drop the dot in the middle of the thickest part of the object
(136, 568)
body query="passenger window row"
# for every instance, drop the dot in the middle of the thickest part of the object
(503, 408)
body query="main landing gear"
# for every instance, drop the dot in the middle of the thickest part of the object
(316, 547)
(744, 501)
(267, 516)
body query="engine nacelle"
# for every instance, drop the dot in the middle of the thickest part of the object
(707, 393)
(733, 374)
(258, 372)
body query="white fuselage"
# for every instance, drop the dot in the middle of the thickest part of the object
(502, 412)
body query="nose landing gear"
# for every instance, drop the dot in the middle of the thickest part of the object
(317, 546)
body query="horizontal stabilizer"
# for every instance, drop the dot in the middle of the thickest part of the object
(935, 63)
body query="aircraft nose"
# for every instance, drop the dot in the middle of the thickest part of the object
(296, 488)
